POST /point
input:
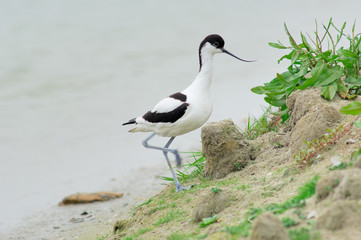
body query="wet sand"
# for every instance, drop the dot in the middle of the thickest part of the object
(88, 221)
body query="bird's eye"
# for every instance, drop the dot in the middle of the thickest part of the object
(216, 44)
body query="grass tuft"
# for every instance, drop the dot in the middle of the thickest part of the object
(264, 124)
(192, 170)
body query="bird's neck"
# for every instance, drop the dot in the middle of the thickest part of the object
(203, 80)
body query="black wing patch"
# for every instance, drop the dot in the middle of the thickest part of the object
(166, 117)
(179, 96)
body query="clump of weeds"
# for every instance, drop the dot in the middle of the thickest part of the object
(335, 69)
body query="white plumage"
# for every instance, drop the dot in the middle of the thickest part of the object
(187, 110)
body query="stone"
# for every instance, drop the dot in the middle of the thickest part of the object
(89, 197)
(268, 227)
(225, 148)
(210, 204)
(313, 125)
(327, 184)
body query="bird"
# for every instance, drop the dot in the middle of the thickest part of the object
(183, 111)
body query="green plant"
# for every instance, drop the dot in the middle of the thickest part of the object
(192, 170)
(303, 234)
(216, 190)
(353, 108)
(288, 222)
(207, 221)
(335, 70)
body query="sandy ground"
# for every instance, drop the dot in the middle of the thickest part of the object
(89, 221)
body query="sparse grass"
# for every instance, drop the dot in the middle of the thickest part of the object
(216, 190)
(304, 192)
(228, 181)
(183, 236)
(303, 234)
(245, 188)
(288, 222)
(169, 216)
(134, 210)
(161, 205)
(103, 237)
(239, 230)
(192, 170)
(264, 124)
(141, 232)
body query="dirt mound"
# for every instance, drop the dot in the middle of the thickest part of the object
(225, 148)
(210, 204)
(310, 117)
(327, 184)
(268, 227)
(340, 220)
(340, 185)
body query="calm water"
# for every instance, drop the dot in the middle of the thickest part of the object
(72, 71)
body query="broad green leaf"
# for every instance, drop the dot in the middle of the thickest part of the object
(353, 108)
(276, 96)
(287, 56)
(342, 89)
(315, 75)
(277, 45)
(258, 90)
(280, 113)
(348, 58)
(303, 71)
(347, 53)
(295, 56)
(329, 91)
(275, 102)
(328, 75)
(290, 90)
(304, 41)
(353, 80)
(358, 124)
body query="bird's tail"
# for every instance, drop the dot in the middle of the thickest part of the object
(131, 121)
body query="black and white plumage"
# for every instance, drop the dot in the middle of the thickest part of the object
(183, 111)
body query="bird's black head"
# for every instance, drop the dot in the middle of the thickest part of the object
(216, 46)
(214, 39)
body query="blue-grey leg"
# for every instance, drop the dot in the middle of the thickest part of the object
(165, 152)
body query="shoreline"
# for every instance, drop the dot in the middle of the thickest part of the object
(85, 221)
